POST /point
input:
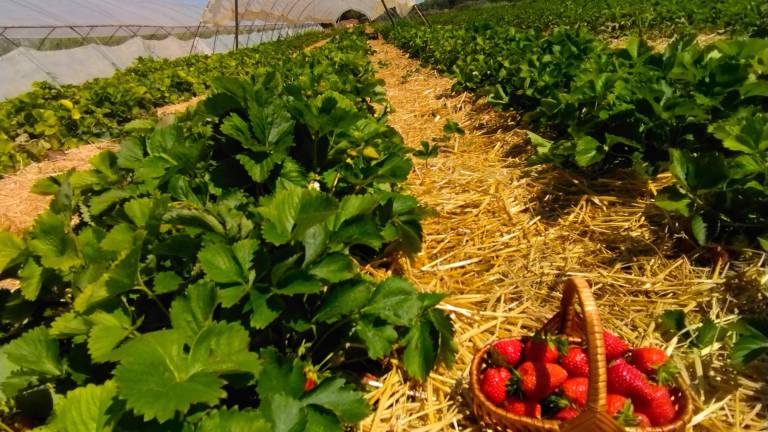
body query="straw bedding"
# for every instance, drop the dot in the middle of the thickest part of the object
(506, 236)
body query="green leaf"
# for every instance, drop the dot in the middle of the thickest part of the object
(341, 300)
(447, 344)
(193, 311)
(280, 375)
(699, 229)
(285, 413)
(420, 352)
(354, 205)
(166, 282)
(92, 408)
(31, 276)
(396, 301)
(70, 324)
(748, 349)
(54, 243)
(36, 350)
(157, 379)
(223, 347)
(763, 241)
(378, 339)
(108, 331)
(671, 199)
(334, 395)
(334, 268)
(10, 248)
(706, 334)
(119, 238)
(588, 151)
(221, 264)
(322, 420)
(265, 309)
(233, 420)
(672, 321)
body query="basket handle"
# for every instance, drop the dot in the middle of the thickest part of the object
(594, 416)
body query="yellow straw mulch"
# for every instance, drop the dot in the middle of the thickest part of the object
(508, 233)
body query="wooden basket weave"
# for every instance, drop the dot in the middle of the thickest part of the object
(593, 418)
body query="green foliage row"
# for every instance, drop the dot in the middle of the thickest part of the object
(50, 117)
(207, 274)
(614, 18)
(697, 111)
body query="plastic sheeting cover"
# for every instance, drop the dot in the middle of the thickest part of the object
(222, 12)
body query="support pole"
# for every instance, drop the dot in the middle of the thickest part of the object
(423, 18)
(237, 25)
(389, 14)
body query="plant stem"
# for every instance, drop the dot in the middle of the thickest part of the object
(153, 297)
(5, 427)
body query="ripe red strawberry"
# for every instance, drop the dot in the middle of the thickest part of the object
(506, 352)
(523, 408)
(544, 348)
(615, 347)
(575, 362)
(656, 403)
(654, 362)
(575, 390)
(494, 384)
(625, 380)
(615, 404)
(642, 420)
(537, 380)
(309, 384)
(566, 414)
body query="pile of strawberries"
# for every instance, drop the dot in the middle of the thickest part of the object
(545, 377)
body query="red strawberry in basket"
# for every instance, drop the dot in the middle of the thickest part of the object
(616, 404)
(654, 362)
(615, 347)
(566, 414)
(575, 362)
(544, 348)
(506, 352)
(657, 404)
(494, 384)
(538, 380)
(522, 408)
(642, 420)
(625, 380)
(575, 390)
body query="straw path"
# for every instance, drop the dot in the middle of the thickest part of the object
(508, 233)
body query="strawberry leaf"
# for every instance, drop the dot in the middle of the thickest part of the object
(10, 248)
(233, 420)
(90, 408)
(36, 350)
(333, 394)
(419, 357)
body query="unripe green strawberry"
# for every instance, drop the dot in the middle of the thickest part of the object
(575, 362)
(545, 348)
(567, 413)
(575, 390)
(494, 384)
(625, 380)
(656, 403)
(615, 347)
(506, 352)
(538, 380)
(522, 408)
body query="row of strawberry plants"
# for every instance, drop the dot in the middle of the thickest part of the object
(206, 277)
(697, 111)
(51, 117)
(615, 18)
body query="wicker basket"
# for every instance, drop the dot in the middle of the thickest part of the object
(593, 418)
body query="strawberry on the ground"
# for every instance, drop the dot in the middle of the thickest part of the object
(566, 414)
(642, 420)
(615, 347)
(522, 408)
(657, 404)
(575, 362)
(506, 352)
(494, 384)
(654, 362)
(537, 380)
(544, 348)
(575, 390)
(625, 380)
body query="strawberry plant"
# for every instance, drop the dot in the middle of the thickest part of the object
(191, 280)
(50, 117)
